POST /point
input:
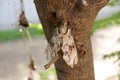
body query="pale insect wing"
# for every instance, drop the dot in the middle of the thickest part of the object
(53, 46)
(69, 49)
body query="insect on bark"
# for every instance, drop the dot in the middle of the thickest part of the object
(63, 41)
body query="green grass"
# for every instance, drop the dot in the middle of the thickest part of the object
(11, 35)
(113, 2)
(113, 20)
(44, 74)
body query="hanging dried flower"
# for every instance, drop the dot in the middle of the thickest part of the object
(22, 20)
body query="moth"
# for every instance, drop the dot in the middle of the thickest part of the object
(62, 40)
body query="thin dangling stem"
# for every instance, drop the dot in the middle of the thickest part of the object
(31, 64)
(23, 38)
(28, 50)
(24, 25)
(30, 40)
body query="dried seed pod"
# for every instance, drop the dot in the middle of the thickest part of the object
(22, 20)
(32, 65)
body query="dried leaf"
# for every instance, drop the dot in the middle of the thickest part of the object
(22, 20)
(32, 65)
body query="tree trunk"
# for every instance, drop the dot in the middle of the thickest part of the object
(80, 15)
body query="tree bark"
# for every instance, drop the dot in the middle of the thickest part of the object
(80, 15)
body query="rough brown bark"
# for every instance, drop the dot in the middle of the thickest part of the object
(80, 18)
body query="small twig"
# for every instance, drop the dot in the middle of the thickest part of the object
(52, 62)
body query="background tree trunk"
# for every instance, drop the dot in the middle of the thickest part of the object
(80, 15)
